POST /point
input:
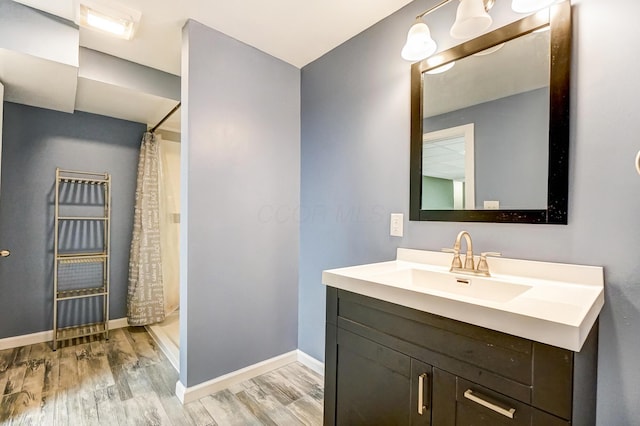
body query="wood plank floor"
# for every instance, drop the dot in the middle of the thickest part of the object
(128, 381)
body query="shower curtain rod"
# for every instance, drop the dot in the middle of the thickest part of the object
(175, 108)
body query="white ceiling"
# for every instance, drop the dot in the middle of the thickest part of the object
(444, 159)
(298, 32)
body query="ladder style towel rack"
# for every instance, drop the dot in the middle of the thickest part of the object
(81, 253)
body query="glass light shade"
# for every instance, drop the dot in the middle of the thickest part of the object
(471, 19)
(528, 6)
(442, 68)
(490, 50)
(419, 43)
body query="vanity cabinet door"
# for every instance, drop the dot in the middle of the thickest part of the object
(373, 385)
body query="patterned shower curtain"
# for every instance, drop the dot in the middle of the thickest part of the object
(145, 300)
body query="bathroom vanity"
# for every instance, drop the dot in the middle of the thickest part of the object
(410, 343)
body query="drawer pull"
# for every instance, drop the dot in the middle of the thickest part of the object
(507, 412)
(421, 405)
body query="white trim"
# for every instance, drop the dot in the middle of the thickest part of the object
(311, 362)
(27, 339)
(171, 351)
(47, 336)
(468, 133)
(118, 323)
(193, 393)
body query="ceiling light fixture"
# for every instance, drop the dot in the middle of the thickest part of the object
(113, 19)
(472, 19)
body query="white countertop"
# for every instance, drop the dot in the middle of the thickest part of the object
(554, 303)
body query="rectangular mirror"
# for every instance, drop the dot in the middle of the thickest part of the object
(490, 125)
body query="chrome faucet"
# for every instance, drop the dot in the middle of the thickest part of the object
(469, 266)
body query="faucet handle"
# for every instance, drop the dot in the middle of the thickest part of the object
(490, 253)
(456, 263)
(483, 266)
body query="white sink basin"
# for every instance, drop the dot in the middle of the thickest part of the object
(474, 287)
(552, 303)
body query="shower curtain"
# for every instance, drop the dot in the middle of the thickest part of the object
(145, 299)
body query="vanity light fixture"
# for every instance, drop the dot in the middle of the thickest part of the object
(113, 19)
(472, 19)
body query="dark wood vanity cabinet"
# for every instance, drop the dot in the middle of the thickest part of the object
(391, 365)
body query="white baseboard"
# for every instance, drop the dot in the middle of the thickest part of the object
(311, 362)
(193, 393)
(118, 323)
(165, 344)
(47, 336)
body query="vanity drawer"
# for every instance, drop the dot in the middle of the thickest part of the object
(457, 401)
(505, 355)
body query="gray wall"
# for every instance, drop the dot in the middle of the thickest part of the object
(355, 155)
(34, 142)
(240, 189)
(511, 148)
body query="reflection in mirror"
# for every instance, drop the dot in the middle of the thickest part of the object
(448, 169)
(504, 93)
(510, 87)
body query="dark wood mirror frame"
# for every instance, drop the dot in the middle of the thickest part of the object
(559, 20)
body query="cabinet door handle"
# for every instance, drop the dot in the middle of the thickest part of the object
(507, 412)
(5, 253)
(421, 404)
